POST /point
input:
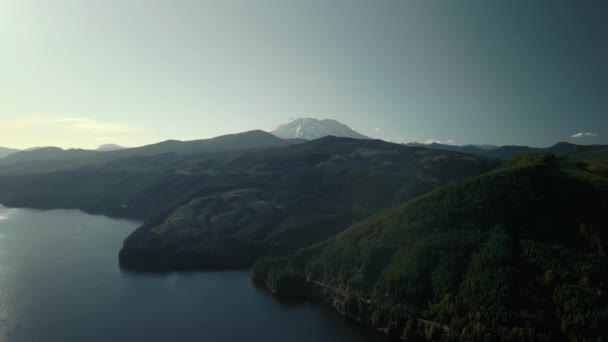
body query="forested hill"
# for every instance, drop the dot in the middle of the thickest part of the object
(518, 253)
(269, 202)
(52, 159)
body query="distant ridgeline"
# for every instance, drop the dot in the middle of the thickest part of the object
(562, 150)
(473, 247)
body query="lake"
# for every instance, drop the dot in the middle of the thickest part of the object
(60, 281)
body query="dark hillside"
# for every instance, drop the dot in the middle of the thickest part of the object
(270, 202)
(517, 253)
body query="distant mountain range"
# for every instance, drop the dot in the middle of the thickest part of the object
(53, 151)
(50, 159)
(293, 131)
(43, 154)
(310, 129)
(562, 149)
(4, 151)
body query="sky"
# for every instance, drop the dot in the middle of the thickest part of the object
(77, 73)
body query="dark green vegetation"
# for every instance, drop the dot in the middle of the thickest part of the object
(270, 202)
(518, 253)
(218, 206)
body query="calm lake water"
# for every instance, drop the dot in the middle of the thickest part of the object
(60, 281)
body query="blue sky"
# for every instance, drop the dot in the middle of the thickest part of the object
(83, 73)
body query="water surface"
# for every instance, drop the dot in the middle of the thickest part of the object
(60, 281)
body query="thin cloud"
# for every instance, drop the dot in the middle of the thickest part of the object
(67, 131)
(82, 124)
(583, 135)
(376, 129)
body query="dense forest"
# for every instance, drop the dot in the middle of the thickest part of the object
(518, 253)
(276, 201)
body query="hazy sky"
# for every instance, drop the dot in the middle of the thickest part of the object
(82, 73)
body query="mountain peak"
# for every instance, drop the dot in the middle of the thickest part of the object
(311, 128)
(109, 147)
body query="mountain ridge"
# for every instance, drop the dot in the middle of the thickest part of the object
(560, 149)
(49, 159)
(5, 151)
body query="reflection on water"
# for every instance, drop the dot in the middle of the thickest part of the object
(60, 281)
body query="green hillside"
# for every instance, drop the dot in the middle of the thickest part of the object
(270, 202)
(515, 254)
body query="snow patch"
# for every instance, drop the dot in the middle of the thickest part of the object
(272, 129)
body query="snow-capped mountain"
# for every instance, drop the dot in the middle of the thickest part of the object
(309, 129)
(109, 147)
